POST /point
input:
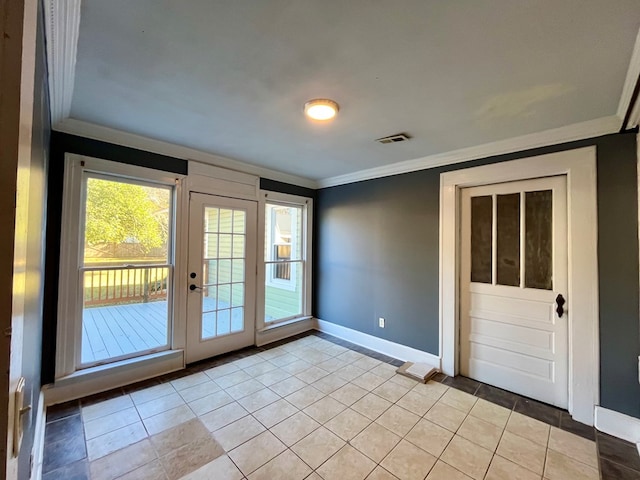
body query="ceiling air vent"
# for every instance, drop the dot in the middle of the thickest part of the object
(398, 137)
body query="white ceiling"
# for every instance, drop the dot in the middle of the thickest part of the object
(231, 77)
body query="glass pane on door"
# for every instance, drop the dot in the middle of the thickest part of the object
(481, 238)
(538, 237)
(223, 266)
(528, 228)
(508, 241)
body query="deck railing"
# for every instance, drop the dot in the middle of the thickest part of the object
(125, 284)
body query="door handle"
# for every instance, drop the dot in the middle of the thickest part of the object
(193, 287)
(560, 301)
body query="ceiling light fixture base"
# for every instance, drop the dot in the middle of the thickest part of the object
(321, 109)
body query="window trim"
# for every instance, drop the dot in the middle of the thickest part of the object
(69, 326)
(281, 282)
(306, 259)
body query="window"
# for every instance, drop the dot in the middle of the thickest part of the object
(125, 268)
(286, 252)
(283, 235)
(116, 263)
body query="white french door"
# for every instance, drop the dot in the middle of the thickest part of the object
(222, 275)
(513, 284)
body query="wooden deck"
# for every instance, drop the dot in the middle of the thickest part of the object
(119, 330)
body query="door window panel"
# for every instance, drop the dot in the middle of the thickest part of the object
(481, 238)
(538, 236)
(237, 295)
(224, 271)
(239, 219)
(237, 272)
(223, 268)
(223, 324)
(209, 323)
(224, 247)
(210, 271)
(515, 229)
(211, 220)
(226, 220)
(508, 239)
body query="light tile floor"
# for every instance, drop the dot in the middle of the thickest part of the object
(313, 409)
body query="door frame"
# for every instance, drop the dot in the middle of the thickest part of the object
(211, 180)
(579, 166)
(234, 340)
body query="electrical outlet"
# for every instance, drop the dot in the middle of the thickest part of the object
(381, 322)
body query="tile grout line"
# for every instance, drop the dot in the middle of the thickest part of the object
(231, 358)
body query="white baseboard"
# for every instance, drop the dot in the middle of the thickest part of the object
(380, 345)
(280, 332)
(618, 424)
(38, 439)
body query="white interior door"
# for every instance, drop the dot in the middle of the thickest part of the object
(222, 275)
(513, 267)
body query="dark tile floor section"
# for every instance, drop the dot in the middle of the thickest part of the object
(60, 453)
(65, 453)
(498, 396)
(462, 383)
(75, 471)
(618, 459)
(539, 411)
(570, 425)
(611, 470)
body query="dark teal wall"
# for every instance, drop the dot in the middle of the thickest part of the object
(377, 255)
(618, 271)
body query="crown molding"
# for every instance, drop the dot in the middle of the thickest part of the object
(62, 28)
(634, 115)
(578, 131)
(118, 137)
(630, 82)
(569, 133)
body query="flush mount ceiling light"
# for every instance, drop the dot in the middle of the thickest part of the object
(321, 109)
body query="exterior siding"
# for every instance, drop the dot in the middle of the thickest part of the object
(281, 302)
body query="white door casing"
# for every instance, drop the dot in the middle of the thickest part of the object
(18, 67)
(510, 334)
(579, 166)
(227, 292)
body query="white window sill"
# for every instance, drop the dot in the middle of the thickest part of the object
(104, 377)
(284, 323)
